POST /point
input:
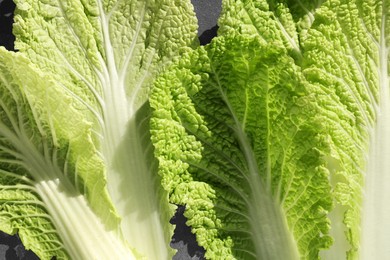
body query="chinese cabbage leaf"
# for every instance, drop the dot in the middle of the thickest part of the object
(276, 135)
(77, 170)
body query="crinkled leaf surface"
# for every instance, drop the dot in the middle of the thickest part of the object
(285, 124)
(41, 196)
(234, 145)
(344, 51)
(83, 77)
(346, 54)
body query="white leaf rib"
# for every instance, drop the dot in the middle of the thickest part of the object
(376, 215)
(287, 36)
(267, 219)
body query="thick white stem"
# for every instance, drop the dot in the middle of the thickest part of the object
(81, 231)
(376, 210)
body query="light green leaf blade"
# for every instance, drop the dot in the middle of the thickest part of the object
(344, 54)
(347, 57)
(53, 199)
(271, 21)
(283, 23)
(103, 56)
(235, 133)
(21, 209)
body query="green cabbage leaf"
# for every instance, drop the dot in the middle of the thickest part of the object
(276, 136)
(77, 174)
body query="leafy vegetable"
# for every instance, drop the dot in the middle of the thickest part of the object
(275, 136)
(77, 174)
